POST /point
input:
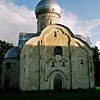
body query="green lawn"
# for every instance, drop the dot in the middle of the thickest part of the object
(97, 88)
(52, 95)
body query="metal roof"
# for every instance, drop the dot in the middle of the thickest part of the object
(12, 53)
(46, 6)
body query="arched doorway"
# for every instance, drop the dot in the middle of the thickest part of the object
(57, 83)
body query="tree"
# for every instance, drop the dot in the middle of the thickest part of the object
(4, 47)
(96, 64)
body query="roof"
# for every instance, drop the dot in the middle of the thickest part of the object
(24, 37)
(12, 53)
(45, 6)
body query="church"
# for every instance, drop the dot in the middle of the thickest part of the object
(51, 59)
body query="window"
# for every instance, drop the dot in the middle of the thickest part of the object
(8, 65)
(24, 70)
(50, 22)
(41, 26)
(55, 34)
(53, 9)
(63, 64)
(41, 41)
(58, 50)
(82, 62)
(53, 65)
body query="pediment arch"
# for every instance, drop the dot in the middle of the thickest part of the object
(54, 30)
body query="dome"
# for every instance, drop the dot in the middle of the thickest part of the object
(12, 53)
(45, 6)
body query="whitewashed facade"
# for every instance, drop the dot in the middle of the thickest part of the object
(53, 58)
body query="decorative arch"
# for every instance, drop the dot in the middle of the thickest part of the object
(64, 30)
(57, 78)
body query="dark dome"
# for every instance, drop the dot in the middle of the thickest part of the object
(45, 6)
(12, 53)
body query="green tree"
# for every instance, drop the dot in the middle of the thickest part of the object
(96, 64)
(4, 47)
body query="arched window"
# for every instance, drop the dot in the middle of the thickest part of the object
(63, 64)
(55, 34)
(41, 41)
(57, 83)
(53, 64)
(50, 22)
(58, 50)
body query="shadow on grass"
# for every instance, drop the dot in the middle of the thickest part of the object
(51, 95)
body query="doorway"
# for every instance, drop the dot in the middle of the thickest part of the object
(57, 83)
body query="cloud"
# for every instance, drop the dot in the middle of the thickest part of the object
(78, 26)
(98, 44)
(15, 19)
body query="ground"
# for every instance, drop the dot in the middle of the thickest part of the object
(52, 95)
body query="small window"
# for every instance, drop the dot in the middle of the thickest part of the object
(41, 41)
(63, 64)
(24, 70)
(8, 65)
(82, 62)
(58, 50)
(50, 22)
(53, 64)
(55, 34)
(53, 9)
(41, 26)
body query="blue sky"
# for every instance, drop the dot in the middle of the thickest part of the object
(86, 9)
(83, 14)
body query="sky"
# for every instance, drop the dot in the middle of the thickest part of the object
(81, 16)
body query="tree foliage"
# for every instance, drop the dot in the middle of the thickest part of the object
(96, 54)
(96, 64)
(4, 47)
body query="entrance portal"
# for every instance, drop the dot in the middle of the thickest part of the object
(57, 83)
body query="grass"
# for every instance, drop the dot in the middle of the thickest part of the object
(97, 88)
(52, 95)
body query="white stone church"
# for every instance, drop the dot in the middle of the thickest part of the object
(51, 59)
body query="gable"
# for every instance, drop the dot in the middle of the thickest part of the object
(56, 35)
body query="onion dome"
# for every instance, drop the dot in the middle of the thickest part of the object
(47, 6)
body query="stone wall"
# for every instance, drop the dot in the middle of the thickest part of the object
(10, 76)
(39, 64)
(29, 69)
(46, 19)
